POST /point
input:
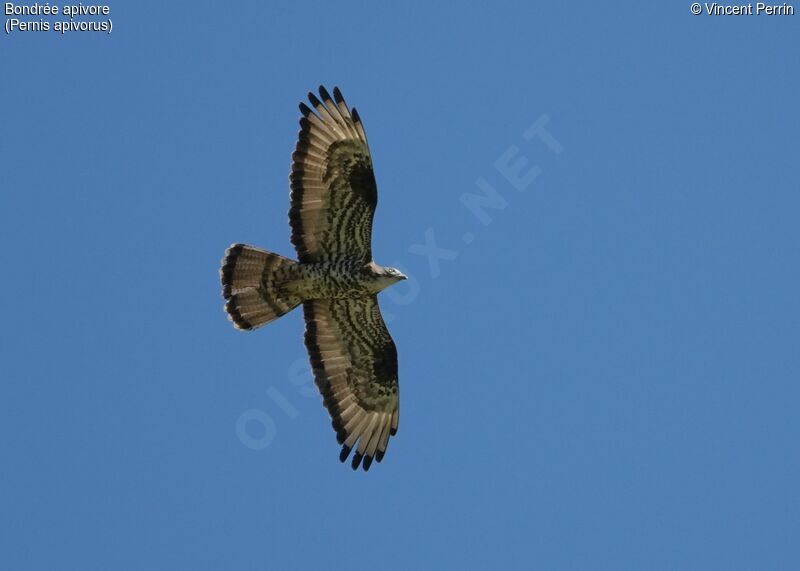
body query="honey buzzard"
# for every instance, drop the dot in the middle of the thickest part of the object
(333, 198)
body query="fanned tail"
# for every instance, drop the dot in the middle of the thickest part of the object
(254, 283)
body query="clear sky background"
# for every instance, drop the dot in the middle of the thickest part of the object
(605, 377)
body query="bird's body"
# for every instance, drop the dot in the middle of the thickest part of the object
(333, 199)
(340, 279)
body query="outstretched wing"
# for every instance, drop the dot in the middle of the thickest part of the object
(355, 367)
(334, 194)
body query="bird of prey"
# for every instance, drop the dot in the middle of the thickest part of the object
(333, 198)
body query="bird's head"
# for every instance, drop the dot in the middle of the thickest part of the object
(394, 274)
(384, 277)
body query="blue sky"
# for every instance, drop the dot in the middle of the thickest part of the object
(605, 376)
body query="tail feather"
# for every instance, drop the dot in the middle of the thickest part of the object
(254, 283)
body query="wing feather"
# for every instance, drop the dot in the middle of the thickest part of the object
(333, 189)
(354, 361)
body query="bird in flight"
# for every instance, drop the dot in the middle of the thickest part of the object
(333, 198)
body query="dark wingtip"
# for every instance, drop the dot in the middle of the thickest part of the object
(341, 436)
(392, 431)
(367, 463)
(324, 93)
(354, 113)
(379, 456)
(344, 453)
(356, 461)
(305, 109)
(313, 99)
(337, 95)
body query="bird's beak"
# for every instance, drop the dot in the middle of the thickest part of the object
(403, 277)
